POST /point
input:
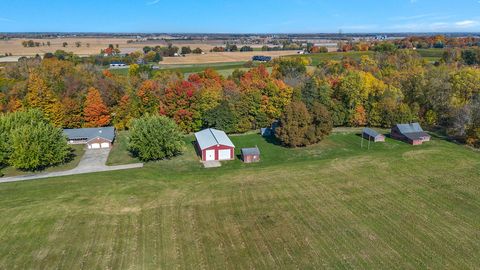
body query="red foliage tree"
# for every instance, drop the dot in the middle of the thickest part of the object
(95, 112)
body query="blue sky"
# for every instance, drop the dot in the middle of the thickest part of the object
(240, 16)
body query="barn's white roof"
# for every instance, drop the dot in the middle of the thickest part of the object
(211, 137)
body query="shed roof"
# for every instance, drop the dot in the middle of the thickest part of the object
(250, 151)
(210, 137)
(370, 132)
(409, 128)
(107, 133)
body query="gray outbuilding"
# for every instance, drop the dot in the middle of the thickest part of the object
(372, 135)
(250, 155)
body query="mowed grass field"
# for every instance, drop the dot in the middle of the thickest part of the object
(332, 205)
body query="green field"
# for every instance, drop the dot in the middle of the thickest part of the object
(333, 205)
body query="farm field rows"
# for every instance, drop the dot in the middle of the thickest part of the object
(332, 205)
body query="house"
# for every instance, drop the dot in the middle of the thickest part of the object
(250, 155)
(372, 135)
(94, 138)
(214, 145)
(411, 133)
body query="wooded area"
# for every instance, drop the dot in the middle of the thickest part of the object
(388, 87)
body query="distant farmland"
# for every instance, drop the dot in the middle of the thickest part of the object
(15, 47)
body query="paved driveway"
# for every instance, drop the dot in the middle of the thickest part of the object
(92, 161)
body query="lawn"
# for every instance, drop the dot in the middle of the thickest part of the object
(119, 154)
(77, 153)
(332, 205)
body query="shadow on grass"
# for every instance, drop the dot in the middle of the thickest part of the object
(272, 140)
(197, 150)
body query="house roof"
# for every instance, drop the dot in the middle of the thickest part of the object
(107, 133)
(211, 137)
(370, 132)
(409, 128)
(250, 151)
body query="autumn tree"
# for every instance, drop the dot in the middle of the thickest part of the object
(95, 112)
(321, 123)
(294, 125)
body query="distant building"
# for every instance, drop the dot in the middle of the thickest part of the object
(118, 65)
(214, 145)
(261, 58)
(410, 133)
(94, 138)
(250, 155)
(372, 135)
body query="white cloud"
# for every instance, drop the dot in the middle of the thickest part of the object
(466, 23)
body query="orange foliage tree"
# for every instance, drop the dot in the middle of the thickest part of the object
(95, 112)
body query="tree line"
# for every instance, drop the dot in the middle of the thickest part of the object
(390, 87)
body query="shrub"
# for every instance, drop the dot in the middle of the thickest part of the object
(154, 137)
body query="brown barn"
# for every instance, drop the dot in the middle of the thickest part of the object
(410, 133)
(250, 155)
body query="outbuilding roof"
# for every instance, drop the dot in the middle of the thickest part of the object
(370, 132)
(211, 137)
(107, 133)
(250, 151)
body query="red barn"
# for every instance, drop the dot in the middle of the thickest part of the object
(411, 133)
(214, 145)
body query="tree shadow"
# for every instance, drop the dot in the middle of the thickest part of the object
(272, 140)
(197, 150)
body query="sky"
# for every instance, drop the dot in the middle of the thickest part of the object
(240, 16)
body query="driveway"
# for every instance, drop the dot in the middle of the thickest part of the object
(93, 160)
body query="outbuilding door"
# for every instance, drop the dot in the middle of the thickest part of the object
(209, 155)
(224, 154)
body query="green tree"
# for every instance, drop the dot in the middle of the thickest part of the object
(38, 146)
(154, 137)
(222, 117)
(186, 50)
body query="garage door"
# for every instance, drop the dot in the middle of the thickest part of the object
(209, 155)
(95, 146)
(105, 145)
(224, 154)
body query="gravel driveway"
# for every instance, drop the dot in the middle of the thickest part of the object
(92, 161)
